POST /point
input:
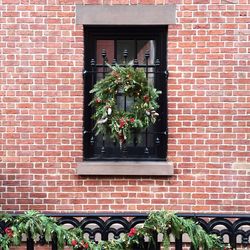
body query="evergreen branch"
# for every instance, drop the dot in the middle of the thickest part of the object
(35, 224)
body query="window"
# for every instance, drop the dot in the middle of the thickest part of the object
(144, 47)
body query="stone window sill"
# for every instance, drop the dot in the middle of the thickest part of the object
(126, 168)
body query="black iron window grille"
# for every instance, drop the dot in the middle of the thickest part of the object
(140, 52)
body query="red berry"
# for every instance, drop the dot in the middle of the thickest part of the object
(132, 232)
(9, 232)
(73, 243)
(122, 123)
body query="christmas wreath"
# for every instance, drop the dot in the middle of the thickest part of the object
(117, 122)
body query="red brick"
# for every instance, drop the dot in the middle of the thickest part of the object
(42, 54)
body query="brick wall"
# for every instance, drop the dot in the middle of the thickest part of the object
(41, 59)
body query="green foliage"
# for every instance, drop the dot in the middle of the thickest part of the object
(6, 218)
(34, 224)
(5, 242)
(118, 123)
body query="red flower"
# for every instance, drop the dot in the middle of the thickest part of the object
(74, 243)
(146, 98)
(9, 232)
(132, 120)
(122, 122)
(132, 232)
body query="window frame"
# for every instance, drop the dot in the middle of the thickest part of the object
(93, 33)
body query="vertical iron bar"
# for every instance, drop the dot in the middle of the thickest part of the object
(157, 139)
(155, 245)
(136, 47)
(114, 62)
(54, 242)
(124, 148)
(245, 241)
(135, 65)
(125, 55)
(115, 50)
(233, 241)
(178, 243)
(105, 235)
(192, 246)
(92, 63)
(103, 145)
(146, 61)
(93, 72)
(104, 59)
(92, 237)
(146, 151)
(30, 242)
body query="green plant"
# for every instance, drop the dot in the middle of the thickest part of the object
(34, 224)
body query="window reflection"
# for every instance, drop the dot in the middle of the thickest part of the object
(136, 50)
(128, 45)
(108, 45)
(142, 47)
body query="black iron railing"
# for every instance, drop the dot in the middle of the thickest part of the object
(233, 229)
(151, 143)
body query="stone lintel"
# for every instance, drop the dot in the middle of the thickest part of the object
(126, 14)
